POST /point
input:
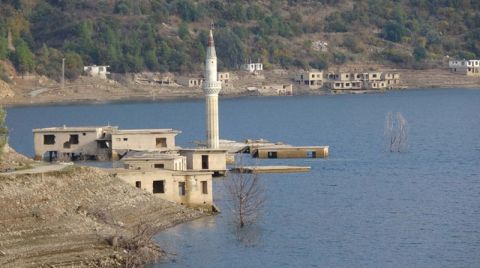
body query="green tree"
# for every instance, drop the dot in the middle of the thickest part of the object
(394, 31)
(3, 44)
(23, 58)
(73, 65)
(419, 53)
(183, 31)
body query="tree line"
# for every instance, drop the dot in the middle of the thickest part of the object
(164, 35)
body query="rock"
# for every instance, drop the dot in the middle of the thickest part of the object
(5, 90)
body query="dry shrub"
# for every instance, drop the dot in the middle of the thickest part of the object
(140, 246)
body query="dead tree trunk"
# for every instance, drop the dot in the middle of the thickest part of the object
(396, 132)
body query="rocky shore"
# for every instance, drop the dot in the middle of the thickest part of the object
(80, 217)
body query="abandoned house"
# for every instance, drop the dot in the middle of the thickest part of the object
(465, 67)
(376, 85)
(97, 71)
(73, 143)
(312, 79)
(164, 79)
(287, 151)
(214, 160)
(320, 45)
(189, 81)
(252, 67)
(190, 188)
(223, 77)
(154, 160)
(277, 89)
(142, 140)
(362, 81)
(392, 79)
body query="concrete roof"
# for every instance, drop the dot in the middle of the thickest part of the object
(142, 156)
(73, 129)
(146, 131)
(173, 172)
(201, 150)
(289, 147)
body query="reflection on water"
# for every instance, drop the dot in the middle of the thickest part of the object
(361, 207)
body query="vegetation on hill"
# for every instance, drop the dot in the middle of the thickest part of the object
(169, 35)
(3, 130)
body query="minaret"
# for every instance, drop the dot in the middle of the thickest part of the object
(211, 88)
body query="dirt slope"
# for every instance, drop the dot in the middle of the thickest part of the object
(67, 218)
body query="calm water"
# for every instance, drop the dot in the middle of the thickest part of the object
(361, 207)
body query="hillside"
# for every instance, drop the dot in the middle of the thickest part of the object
(169, 35)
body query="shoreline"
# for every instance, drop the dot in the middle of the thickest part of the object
(89, 90)
(172, 98)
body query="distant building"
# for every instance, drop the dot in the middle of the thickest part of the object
(97, 71)
(465, 67)
(190, 81)
(252, 67)
(223, 77)
(320, 46)
(362, 81)
(392, 79)
(278, 89)
(164, 79)
(312, 79)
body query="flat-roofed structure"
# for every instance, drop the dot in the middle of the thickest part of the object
(190, 188)
(214, 160)
(313, 79)
(142, 140)
(465, 67)
(287, 151)
(154, 160)
(73, 143)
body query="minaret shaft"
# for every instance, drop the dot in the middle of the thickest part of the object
(211, 104)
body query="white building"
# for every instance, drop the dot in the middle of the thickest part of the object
(97, 71)
(252, 67)
(465, 67)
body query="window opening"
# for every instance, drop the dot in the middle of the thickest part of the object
(204, 187)
(158, 187)
(48, 139)
(181, 188)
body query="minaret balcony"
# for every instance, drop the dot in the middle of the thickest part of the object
(213, 87)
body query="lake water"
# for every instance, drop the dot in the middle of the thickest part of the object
(361, 207)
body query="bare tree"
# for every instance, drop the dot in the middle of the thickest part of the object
(247, 195)
(396, 132)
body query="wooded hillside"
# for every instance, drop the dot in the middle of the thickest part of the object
(169, 35)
